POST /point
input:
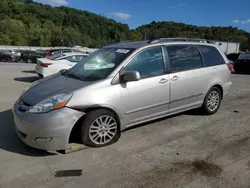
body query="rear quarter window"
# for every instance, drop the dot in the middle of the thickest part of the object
(211, 56)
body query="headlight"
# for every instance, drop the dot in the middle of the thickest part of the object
(52, 103)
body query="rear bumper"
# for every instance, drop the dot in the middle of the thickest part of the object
(52, 128)
(41, 71)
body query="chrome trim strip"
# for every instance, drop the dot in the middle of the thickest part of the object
(163, 103)
(185, 98)
(147, 107)
(24, 107)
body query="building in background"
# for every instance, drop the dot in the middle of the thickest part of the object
(228, 47)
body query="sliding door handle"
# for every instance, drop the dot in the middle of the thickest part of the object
(163, 81)
(175, 78)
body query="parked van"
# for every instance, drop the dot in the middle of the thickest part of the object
(119, 86)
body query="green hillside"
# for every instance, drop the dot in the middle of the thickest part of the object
(173, 29)
(29, 23)
(24, 22)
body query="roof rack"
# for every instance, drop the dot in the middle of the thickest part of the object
(109, 44)
(180, 40)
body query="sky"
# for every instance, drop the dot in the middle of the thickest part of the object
(135, 13)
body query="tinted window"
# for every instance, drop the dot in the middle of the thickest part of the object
(66, 51)
(183, 57)
(75, 58)
(33, 53)
(211, 56)
(244, 56)
(55, 56)
(148, 63)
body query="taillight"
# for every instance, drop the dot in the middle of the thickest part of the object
(230, 67)
(45, 64)
(47, 54)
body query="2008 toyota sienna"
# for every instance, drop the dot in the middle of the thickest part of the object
(119, 86)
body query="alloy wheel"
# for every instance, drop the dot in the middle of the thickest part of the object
(213, 101)
(103, 130)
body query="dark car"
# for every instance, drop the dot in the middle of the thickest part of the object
(242, 64)
(54, 51)
(7, 56)
(233, 56)
(42, 51)
(31, 56)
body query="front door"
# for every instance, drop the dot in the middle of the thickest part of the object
(149, 97)
(186, 77)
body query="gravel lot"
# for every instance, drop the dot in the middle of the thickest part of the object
(188, 150)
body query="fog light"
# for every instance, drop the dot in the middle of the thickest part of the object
(48, 139)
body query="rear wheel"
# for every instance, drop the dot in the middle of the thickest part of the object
(100, 128)
(212, 101)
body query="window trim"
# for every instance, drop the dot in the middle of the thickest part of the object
(116, 80)
(142, 50)
(76, 56)
(176, 71)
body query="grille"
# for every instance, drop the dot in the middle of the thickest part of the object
(23, 135)
(23, 106)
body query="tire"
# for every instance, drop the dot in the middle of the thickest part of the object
(208, 109)
(29, 61)
(99, 134)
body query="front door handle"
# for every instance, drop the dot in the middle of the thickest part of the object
(175, 78)
(163, 81)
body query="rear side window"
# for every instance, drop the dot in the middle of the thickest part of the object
(184, 57)
(66, 51)
(211, 56)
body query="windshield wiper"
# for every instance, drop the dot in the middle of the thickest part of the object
(71, 75)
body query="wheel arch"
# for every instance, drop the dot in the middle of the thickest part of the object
(75, 132)
(220, 88)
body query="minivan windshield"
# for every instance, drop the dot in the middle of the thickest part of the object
(99, 64)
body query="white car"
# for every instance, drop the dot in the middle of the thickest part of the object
(48, 66)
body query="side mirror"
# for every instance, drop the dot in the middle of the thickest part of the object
(129, 76)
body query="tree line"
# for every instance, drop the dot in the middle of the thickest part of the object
(25, 22)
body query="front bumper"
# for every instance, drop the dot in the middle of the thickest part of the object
(54, 126)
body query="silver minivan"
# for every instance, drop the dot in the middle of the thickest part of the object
(119, 86)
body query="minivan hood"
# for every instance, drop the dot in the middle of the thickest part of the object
(51, 86)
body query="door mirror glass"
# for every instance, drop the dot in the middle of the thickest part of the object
(129, 76)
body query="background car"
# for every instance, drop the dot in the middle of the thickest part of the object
(54, 51)
(242, 64)
(31, 56)
(233, 56)
(7, 56)
(48, 66)
(16, 53)
(42, 51)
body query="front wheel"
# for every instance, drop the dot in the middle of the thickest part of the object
(100, 128)
(212, 101)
